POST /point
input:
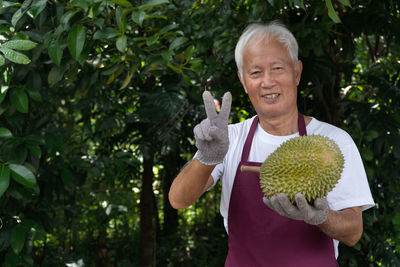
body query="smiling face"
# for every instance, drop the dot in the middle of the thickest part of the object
(270, 78)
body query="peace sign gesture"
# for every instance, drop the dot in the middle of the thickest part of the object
(212, 140)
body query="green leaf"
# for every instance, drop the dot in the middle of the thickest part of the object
(35, 150)
(107, 33)
(5, 133)
(167, 29)
(19, 44)
(15, 56)
(367, 154)
(189, 52)
(120, 19)
(370, 135)
(66, 17)
(174, 68)
(55, 51)
(26, 4)
(76, 41)
(166, 55)
(138, 17)
(55, 75)
(23, 175)
(80, 3)
(17, 16)
(2, 60)
(178, 42)
(18, 236)
(34, 94)
(19, 99)
(110, 70)
(127, 80)
(4, 179)
(121, 43)
(123, 3)
(196, 65)
(345, 2)
(331, 12)
(153, 3)
(152, 39)
(37, 7)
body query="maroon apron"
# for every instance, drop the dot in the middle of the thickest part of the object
(259, 236)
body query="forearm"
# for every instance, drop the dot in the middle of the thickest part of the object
(190, 184)
(344, 225)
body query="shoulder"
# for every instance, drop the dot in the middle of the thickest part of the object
(339, 135)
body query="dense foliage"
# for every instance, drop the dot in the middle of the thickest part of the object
(98, 101)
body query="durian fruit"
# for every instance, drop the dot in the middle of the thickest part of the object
(311, 165)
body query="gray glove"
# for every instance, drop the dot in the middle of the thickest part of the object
(311, 214)
(212, 140)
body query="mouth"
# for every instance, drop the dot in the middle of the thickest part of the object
(270, 96)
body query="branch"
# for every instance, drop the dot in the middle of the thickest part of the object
(370, 49)
(324, 104)
(376, 45)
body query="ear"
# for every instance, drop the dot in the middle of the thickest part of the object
(241, 81)
(298, 70)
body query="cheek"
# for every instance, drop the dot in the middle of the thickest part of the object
(291, 85)
(251, 85)
(293, 93)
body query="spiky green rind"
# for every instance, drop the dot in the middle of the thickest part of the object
(311, 165)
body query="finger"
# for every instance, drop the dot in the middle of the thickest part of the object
(286, 204)
(209, 105)
(277, 206)
(202, 130)
(321, 204)
(198, 133)
(267, 202)
(217, 134)
(226, 106)
(301, 202)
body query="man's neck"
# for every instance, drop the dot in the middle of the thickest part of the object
(281, 125)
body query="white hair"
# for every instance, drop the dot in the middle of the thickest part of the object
(271, 31)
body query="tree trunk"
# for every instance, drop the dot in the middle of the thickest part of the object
(170, 214)
(147, 217)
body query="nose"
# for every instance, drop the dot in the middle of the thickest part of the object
(267, 81)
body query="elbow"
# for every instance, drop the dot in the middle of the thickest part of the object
(353, 239)
(175, 203)
(351, 242)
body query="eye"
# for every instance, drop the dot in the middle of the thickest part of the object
(255, 73)
(277, 68)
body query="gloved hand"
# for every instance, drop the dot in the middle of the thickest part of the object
(312, 214)
(212, 140)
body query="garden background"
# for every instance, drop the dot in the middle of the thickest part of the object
(98, 102)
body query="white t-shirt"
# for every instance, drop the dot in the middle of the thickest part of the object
(352, 189)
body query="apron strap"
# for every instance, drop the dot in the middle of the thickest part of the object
(249, 139)
(302, 125)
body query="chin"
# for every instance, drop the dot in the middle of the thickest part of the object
(272, 112)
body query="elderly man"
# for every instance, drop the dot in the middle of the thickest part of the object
(271, 232)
